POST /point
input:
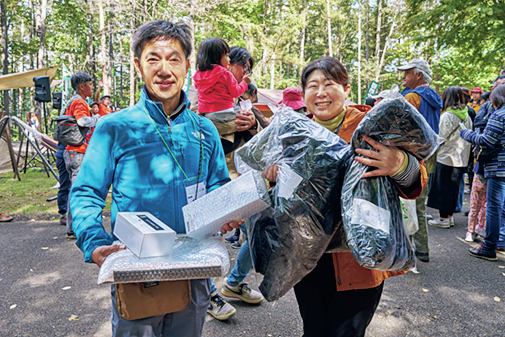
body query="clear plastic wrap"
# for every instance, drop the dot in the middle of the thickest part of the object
(372, 214)
(238, 199)
(396, 122)
(287, 239)
(373, 222)
(190, 259)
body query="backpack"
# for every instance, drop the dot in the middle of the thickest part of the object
(68, 131)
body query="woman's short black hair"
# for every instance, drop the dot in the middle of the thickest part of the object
(79, 78)
(370, 101)
(210, 53)
(485, 96)
(164, 30)
(498, 96)
(330, 67)
(453, 98)
(239, 55)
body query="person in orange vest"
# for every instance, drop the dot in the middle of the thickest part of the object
(104, 104)
(77, 107)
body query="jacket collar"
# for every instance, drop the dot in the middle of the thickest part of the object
(155, 109)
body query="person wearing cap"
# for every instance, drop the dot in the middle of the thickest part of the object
(417, 92)
(476, 102)
(380, 96)
(292, 97)
(104, 104)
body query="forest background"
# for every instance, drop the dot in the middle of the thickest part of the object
(462, 40)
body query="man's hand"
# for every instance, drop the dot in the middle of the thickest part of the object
(388, 160)
(100, 83)
(231, 226)
(100, 253)
(245, 121)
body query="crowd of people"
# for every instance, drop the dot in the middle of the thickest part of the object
(149, 154)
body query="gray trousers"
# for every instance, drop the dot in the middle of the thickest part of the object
(421, 236)
(185, 323)
(73, 161)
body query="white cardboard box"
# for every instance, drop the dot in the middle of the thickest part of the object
(238, 199)
(144, 234)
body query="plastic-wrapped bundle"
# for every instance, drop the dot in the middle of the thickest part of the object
(190, 259)
(372, 214)
(288, 239)
(395, 120)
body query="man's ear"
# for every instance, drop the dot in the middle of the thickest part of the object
(138, 69)
(187, 66)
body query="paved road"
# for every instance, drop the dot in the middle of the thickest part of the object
(453, 295)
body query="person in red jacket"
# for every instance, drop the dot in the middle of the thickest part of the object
(216, 85)
(77, 107)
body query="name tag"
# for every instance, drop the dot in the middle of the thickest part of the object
(194, 192)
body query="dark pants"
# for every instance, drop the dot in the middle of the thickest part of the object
(327, 312)
(64, 179)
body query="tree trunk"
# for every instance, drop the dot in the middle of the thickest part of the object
(272, 75)
(5, 52)
(110, 59)
(132, 54)
(302, 41)
(91, 49)
(386, 45)
(367, 51)
(337, 52)
(378, 40)
(155, 9)
(330, 49)
(103, 59)
(192, 59)
(359, 52)
(43, 10)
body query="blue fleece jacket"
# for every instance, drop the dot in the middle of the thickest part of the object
(431, 105)
(127, 152)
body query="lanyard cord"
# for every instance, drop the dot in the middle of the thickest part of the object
(178, 165)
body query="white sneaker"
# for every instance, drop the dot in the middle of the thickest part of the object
(429, 216)
(480, 231)
(451, 221)
(219, 308)
(440, 223)
(243, 292)
(470, 237)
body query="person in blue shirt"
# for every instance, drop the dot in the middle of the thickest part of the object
(150, 154)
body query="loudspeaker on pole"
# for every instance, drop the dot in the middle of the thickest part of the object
(42, 89)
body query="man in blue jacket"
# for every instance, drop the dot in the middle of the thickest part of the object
(153, 154)
(417, 91)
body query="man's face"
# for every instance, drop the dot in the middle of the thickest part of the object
(476, 96)
(86, 89)
(163, 66)
(106, 101)
(500, 81)
(410, 79)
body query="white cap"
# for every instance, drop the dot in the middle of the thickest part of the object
(382, 94)
(420, 64)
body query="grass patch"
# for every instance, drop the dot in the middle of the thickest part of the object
(30, 194)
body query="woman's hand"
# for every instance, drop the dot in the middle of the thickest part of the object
(231, 226)
(388, 160)
(270, 173)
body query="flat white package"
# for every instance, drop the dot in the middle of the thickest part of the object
(190, 259)
(144, 234)
(238, 199)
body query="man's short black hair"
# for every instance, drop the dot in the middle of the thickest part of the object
(239, 55)
(210, 53)
(159, 29)
(252, 90)
(500, 77)
(79, 78)
(94, 103)
(485, 96)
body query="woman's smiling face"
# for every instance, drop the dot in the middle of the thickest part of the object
(323, 96)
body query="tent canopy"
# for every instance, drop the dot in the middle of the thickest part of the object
(25, 79)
